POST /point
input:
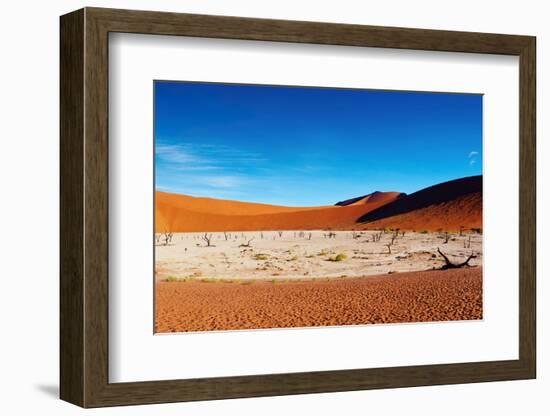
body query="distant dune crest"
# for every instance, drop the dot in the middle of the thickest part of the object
(449, 205)
(373, 197)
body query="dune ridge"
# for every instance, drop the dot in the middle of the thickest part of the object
(178, 218)
(372, 197)
(449, 205)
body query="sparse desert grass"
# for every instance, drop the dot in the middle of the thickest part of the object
(178, 279)
(297, 257)
(338, 257)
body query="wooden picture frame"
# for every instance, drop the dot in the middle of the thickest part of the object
(84, 207)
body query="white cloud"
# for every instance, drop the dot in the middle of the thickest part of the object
(472, 154)
(210, 168)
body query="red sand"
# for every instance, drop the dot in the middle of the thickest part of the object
(180, 213)
(464, 211)
(449, 206)
(443, 295)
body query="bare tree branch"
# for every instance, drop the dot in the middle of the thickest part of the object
(450, 265)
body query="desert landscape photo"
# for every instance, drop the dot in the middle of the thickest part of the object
(291, 207)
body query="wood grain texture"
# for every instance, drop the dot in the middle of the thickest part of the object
(527, 208)
(71, 99)
(84, 207)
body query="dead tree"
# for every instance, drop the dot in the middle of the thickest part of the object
(309, 236)
(167, 238)
(446, 237)
(461, 230)
(207, 237)
(450, 265)
(389, 247)
(468, 243)
(281, 234)
(226, 235)
(393, 237)
(247, 243)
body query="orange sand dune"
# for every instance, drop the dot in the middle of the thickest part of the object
(222, 206)
(465, 211)
(442, 295)
(449, 205)
(373, 197)
(180, 213)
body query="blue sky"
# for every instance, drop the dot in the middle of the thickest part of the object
(302, 146)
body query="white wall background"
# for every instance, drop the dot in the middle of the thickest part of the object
(29, 208)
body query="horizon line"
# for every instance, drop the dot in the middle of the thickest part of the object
(314, 206)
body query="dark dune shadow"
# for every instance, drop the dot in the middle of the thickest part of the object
(437, 194)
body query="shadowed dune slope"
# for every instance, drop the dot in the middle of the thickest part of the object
(448, 205)
(464, 211)
(180, 213)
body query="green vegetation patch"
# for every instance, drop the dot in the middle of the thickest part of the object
(338, 257)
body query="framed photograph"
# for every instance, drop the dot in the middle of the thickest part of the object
(255, 207)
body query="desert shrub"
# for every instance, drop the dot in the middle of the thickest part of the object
(171, 279)
(208, 280)
(338, 257)
(260, 256)
(294, 258)
(424, 232)
(323, 252)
